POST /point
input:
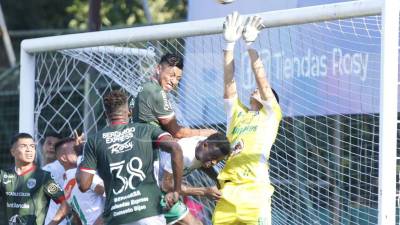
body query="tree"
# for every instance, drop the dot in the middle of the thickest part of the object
(126, 12)
(50, 14)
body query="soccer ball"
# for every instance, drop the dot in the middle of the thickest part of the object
(225, 1)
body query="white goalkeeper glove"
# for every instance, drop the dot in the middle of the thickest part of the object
(233, 29)
(251, 29)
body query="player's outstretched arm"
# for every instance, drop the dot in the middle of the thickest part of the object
(260, 76)
(210, 192)
(172, 126)
(232, 32)
(252, 27)
(168, 183)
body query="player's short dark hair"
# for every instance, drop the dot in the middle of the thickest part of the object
(53, 134)
(18, 136)
(114, 100)
(275, 94)
(221, 142)
(172, 60)
(58, 145)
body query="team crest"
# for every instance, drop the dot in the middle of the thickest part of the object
(53, 188)
(31, 183)
(237, 147)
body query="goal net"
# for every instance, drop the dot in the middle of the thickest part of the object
(324, 164)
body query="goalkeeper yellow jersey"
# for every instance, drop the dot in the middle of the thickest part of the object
(251, 134)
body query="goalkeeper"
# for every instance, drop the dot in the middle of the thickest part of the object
(251, 131)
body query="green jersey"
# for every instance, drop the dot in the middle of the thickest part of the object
(26, 196)
(124, 156)
(151, 104)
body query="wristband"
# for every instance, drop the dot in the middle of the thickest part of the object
(249, 45)
(229, 46)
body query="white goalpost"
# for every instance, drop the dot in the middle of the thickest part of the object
(334, 67)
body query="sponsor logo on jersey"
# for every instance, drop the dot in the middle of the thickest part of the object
(53, 188)
(18, 194)
(167, 104)
(18, 205)
(9, 176)
(121, 147)
(119, 136)
(6, 181)
(31, 183)
(244, 129)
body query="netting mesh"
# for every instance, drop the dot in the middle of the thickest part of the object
(324, 164)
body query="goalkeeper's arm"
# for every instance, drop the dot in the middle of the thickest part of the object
(260, 76)
(251, 30)
(232, 32)
(177, 131)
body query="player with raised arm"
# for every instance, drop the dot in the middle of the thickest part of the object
(52, 165)
(198, 153)
(26, 189)
(246, 189)
(123, 154)
(152, 104)
(87, 206)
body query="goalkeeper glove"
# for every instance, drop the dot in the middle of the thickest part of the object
(233, 29)
(251, 29)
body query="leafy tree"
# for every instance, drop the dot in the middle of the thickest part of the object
(126, 12)
(50, 14)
